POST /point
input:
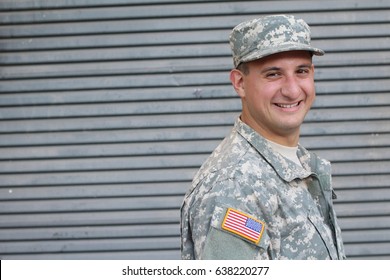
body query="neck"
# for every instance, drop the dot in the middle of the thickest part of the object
(286, 138)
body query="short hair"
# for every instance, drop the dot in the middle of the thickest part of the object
(243, 67)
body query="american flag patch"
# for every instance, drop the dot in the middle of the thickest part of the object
(243, 225)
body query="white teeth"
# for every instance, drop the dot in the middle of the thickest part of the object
(288, 105)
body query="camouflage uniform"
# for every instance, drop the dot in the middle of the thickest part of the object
(248, 201)
(245, 174)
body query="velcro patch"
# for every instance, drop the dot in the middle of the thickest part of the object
(243, 225)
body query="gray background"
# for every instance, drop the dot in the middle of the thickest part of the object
(108, 108)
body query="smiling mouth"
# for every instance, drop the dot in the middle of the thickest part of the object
(288, 105)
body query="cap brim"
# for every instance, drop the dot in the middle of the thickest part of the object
(257, 54)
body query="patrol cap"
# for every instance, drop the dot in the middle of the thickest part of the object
(257, 38)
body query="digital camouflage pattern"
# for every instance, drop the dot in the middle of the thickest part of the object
(246, 174)
(268, 35)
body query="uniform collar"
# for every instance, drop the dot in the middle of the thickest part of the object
(285, 168)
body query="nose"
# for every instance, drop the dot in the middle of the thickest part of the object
(291, 88)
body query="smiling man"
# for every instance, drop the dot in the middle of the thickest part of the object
(261, 195)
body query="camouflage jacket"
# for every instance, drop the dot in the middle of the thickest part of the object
(285, 211)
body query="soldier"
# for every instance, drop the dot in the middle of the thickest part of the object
(261, 195)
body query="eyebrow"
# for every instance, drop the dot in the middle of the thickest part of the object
(270, 69)
(305, 65)
(275, 68)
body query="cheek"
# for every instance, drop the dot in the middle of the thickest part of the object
(261, 91)
(311, 92)
(307, 88)
(260, 103)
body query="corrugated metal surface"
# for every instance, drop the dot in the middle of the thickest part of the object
(108, 107)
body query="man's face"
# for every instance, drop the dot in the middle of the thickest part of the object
(277, 94)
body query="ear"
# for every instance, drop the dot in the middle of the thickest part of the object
(237, 79)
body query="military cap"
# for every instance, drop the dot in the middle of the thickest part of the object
(257, 38)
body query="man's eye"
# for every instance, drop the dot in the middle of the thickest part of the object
(303, 71)
(272, 74)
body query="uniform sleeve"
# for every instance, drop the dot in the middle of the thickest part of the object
(206, 237)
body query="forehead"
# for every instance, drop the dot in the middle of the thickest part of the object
(284, 59)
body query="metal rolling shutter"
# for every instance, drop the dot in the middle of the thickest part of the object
(108, 107)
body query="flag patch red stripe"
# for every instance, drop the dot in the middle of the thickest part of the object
(236, 222)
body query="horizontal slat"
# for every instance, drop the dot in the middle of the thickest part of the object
(174, 121)
(365, 195)
(123, 122)
(175, 55)
(352, 58)
(116, 40)
(43, 4)
(363, 209)
(368, 98)
(346, 141)
(362, 181)
(134, 108)
(364, 223)
(369, 183)
(98, 177)
(175, 134)
(158, 67)
(160, 175)
(111, 163)
(92, 204)
(195, 80)
(360, 168)
(173, 148)
(352, 100)
(120, 244)
(94, 191)
(210, 9)
(116, 95)
(39, 4)
(370, 257)
(172, 254)
(115, 68)
(103, 218)
(107, 82)
(120, 53)
(362, 236)
(122, 150)
(349, 73)
(367, 249)
(368, 155)
(71, 233)
(360, 154)
(187, 106)
(346, 26)
(115, 136)
(171, 38)
(349, 44)
(353, 114)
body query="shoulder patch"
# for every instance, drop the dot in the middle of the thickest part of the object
(243, 225)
